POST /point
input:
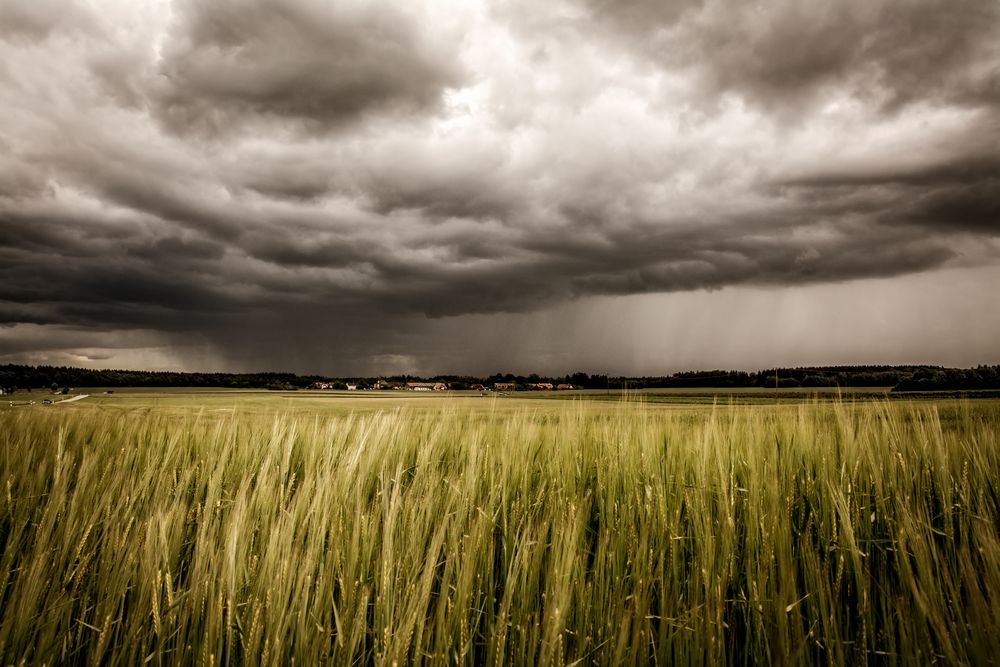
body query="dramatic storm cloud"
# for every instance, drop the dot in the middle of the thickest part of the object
(375, 186)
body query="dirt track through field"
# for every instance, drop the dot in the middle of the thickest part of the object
(70, 400)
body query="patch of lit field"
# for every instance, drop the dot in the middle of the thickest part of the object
(261, 527)
(315, 403)
(182, 400)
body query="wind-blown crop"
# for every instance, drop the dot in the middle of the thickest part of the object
(615, 534)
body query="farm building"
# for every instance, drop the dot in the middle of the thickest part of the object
(386, 384)
(426, 386)
(541, 386)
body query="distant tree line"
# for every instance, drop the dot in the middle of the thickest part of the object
(36, 377)
(900, 378)
(940, 379)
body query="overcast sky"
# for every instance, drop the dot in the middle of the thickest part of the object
(624, 186)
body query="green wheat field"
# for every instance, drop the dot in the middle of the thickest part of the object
(228, 529)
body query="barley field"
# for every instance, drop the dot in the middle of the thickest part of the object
(555, 533)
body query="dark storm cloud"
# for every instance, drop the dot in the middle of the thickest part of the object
(789, 52)
(44, 339)
(287, 180)
(940, 209)
(326, 64)
(37, 19)
(956, 193)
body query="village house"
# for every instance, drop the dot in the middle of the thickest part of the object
(541, 386)
(503, 386)
(384, 385)
(562, 387)
(426, 386)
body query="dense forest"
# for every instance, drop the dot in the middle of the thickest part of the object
(900, 378)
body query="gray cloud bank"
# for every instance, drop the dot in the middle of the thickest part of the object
(228, 175)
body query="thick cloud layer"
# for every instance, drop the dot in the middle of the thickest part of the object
(887, 52)
(324, 63)
(219, 179)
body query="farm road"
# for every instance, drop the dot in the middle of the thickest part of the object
(70, 400)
